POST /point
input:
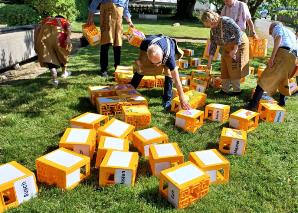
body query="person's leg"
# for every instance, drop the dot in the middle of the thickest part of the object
(167, 94)
(236, 86)
(53, 70)
(225, 85)
(117, 56)
(224, 74)
(104, 59)
(136, 79)
(282, 100)
(256, 98)
(65, 73)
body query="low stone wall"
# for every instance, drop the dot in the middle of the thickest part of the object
(16, 45)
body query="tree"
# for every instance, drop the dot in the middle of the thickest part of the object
(185, 9)
(285, 8)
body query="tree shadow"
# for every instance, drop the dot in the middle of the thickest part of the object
(153, 197)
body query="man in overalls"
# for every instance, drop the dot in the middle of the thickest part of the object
(158, 55)
(111, 12)
(281, 66)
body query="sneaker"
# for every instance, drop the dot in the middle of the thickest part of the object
(55, 83)
(66, 74)
(104, 74)
(282, 104)
(167, 106)
(250, 108)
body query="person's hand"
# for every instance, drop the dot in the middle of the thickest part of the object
(255, 36)
(90, 19)
(184, 104)
(271, 62)
(130, 24)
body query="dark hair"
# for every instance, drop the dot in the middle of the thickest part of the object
(59, 16)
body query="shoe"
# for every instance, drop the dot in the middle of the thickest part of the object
(55, 83)
(282, 104)
(167, 106)
(235, 93)
(104, 74)
(221, 92)
(66, 74)
(250, 108)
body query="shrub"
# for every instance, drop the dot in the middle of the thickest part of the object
(82, 7)
(66, 8)
(17, 14)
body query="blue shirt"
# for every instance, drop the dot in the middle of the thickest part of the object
(162, 43)
(120, 3)
(288, 38)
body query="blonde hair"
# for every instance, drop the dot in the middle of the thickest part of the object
(272, 25)
(210, 16)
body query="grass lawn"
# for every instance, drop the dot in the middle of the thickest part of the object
(34, 116)
(187, 29)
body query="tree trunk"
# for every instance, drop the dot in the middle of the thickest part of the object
(185, 9)
(153, 7)
(253, 6)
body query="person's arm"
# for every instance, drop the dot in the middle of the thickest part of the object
(175, 75)
(236, 31)
(209, 62)
(252, 28)
(127, 14)
(92, 9)
(277, 41)
(68, 32)
(277, 34)
(223, 11)
(212, 50)
(247, 18)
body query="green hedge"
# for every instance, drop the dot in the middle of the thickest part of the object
(18, 14)
(66, 8)
(82, 7)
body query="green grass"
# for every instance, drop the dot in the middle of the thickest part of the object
(187, 29)
(34, 116)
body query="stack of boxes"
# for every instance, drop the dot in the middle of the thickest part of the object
(82, 141)
(200, 79)
(109, 100)
(142, 139)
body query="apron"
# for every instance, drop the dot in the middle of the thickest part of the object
(111, 24)
(239, 68)
(278, 76)
(143, 65)
(49, 46)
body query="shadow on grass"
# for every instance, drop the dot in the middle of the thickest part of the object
(83, 105)
(154, 198)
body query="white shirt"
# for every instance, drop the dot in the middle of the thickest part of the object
(288, 38)
(239, 12)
